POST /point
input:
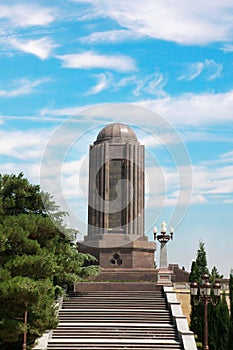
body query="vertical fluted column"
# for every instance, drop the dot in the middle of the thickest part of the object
(143, 189)
(101, 187)
(96, 191)
(90, 195)
(127, 190)
(131, 188)
(106, 187)
(139, 184)
(135, 194)
(92, 192)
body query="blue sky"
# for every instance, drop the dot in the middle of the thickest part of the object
(64, 64)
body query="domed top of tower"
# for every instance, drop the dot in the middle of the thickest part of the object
(116, 131)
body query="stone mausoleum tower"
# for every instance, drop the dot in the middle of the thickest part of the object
(116, 201)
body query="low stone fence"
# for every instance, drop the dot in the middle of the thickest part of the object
(186, 336)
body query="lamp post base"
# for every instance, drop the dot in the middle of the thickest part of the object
(165, 277)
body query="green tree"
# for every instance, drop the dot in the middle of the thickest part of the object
(199, 268)
(219, 321)
(193, 276)
(37, 258)
(214, 274)
(218, 316)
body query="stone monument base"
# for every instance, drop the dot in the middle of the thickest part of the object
(116, 251)
(126, 275)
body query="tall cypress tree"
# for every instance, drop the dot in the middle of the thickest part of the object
(199, 268)
(219, 322)
(223, 323)
(201, 262)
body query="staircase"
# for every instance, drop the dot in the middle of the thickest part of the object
(115, 319)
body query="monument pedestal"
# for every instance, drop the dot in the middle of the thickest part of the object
(116, 251)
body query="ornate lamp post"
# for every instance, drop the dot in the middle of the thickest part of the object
(205, 297)
(164, 275)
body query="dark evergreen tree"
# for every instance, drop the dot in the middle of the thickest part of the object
(36, 259)
(212, 326)
(193, 274)
(199, 268)
(219, 322)
(218, 316)
(201, 262)
(214, 274)
(223, 323)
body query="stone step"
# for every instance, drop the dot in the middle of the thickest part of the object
(114, 311)
(114, 291)
(113, 343)
(115, 320)
(98, 316)
(116, 286)
(115, 296)
(117, 332)
(97, 301)
(100, 346)
(119, 305)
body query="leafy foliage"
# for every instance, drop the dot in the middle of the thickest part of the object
(198, 269)
(199, 266)
(219, 321)
(214, 274)
(36, 258)
(218, 316)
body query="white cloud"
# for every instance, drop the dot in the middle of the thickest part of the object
(26, 15)
(185, 110)
(211, 181)
(23, 145)
(194, 109)
(212, 69)
(41, 48)
(185, 21)
(226, 157)
(195, 70)
(198, 198)
(110, 36)
(24, 87)
(90, 60)
(228, 201)
(104, 80)
(227, 48)
(164, 138)
(217, 70)
(31, 170)
(150, 85)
